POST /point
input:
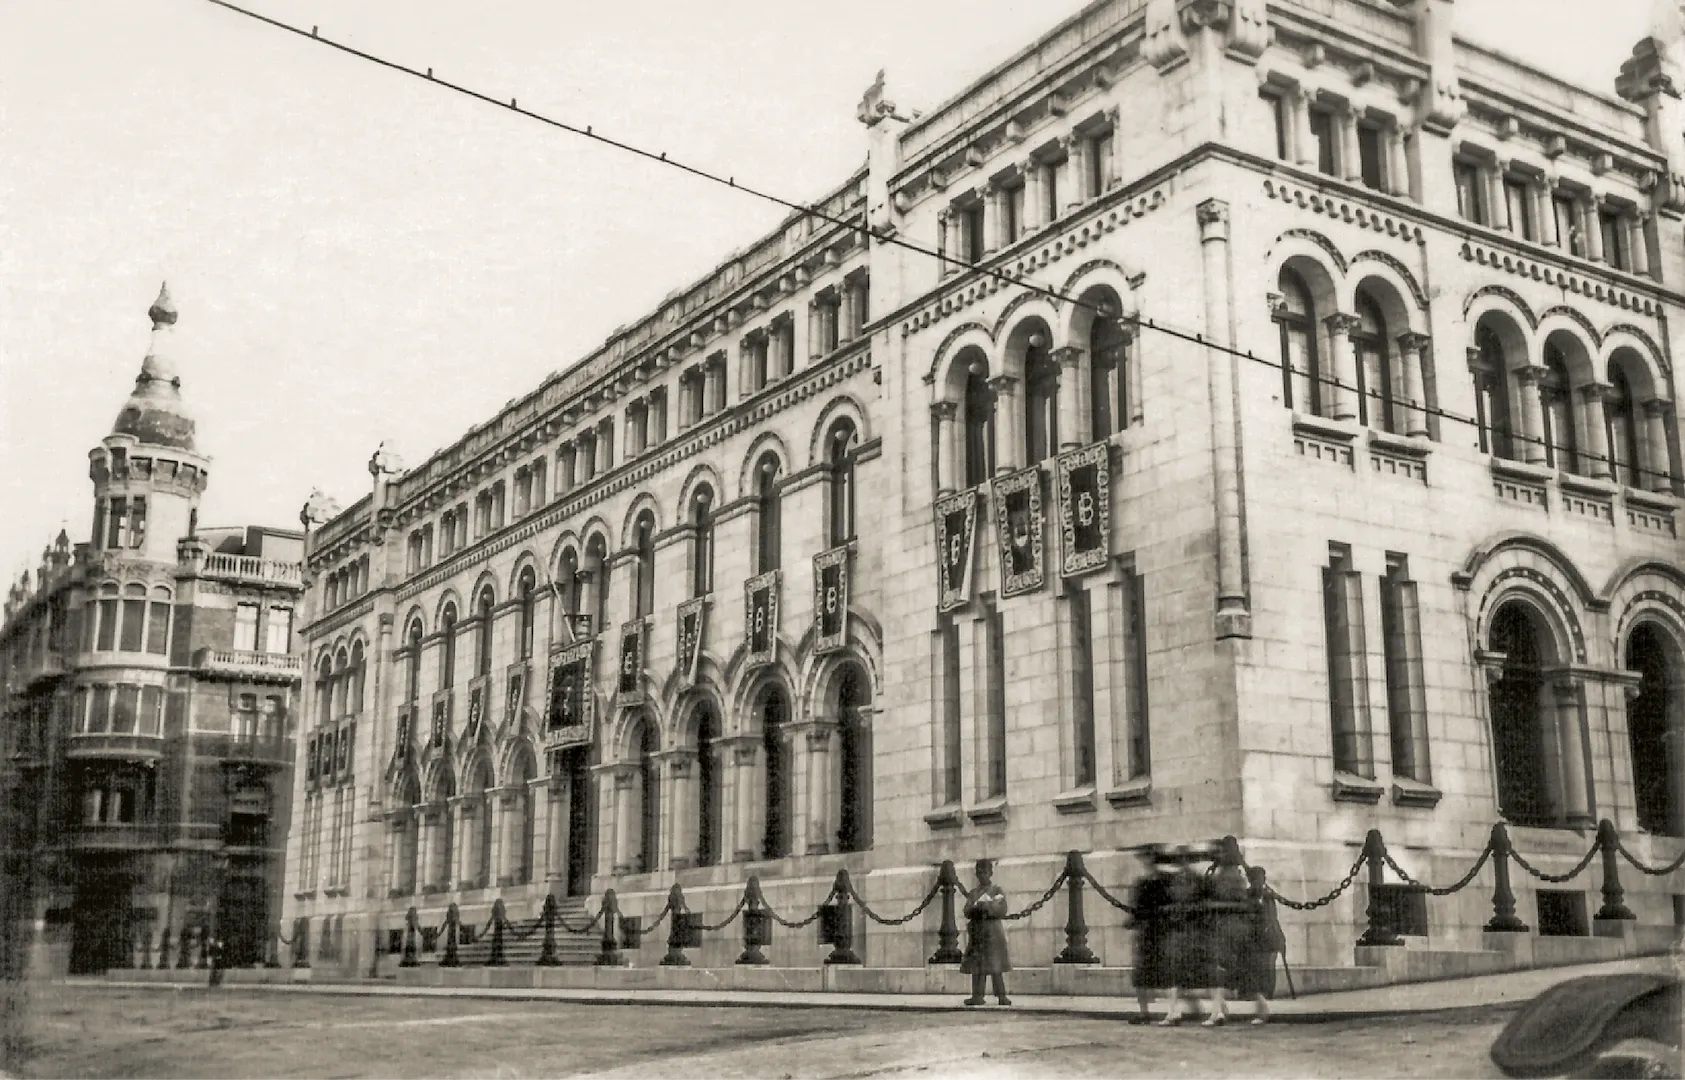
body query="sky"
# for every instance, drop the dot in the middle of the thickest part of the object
(357, 256)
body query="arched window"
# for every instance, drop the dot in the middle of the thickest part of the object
(854, 825)
(702, 546)
(769, 545)
(105, 636)
(1492, 394)
(1654, 728)
(409, 838)
(1041, 401)
(567, 581)
(649, 797)
(1528, 790)
(358, 677)
(1109, 375)
(840, 446)
(527, 589)
(979, 422)
(412, 681)
(1374, 366)
(644, 538)
(1301, 367)
(447, 648)
(776, 843)
(709, 794)
(1557, 406)
(483, 613)
(1621, 413)
(596, 566)
(133, 636)
(324, 689)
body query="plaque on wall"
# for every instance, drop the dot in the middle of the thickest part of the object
(629, 684)
(515, 693)
(1085, 511)
(693, 625)
(1018, 521)
(476, 709)
(571, 698)
(760, 594)
(830, 599)
(956, 529)
(441, 717)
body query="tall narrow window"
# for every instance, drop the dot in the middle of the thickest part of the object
(709, 795)
(1374, 367)
(1082, 688)
(158, 623)
(412, 673)
(115, 520)
(99, 536)
(1518, 200)
(702, 544)
(245, 628)
(776, 751)
(1324, 135)
(1615, 249)
(649, 797)
(1041, 401)
(1012, 205)
(1371, 154)
(137, 517)
(105, 638)
(979, 423)
(1557, 408)
(324, 689)
(1471, 194)
(1492, 401)
(447, 648)
(483, 612)
(1566, 210)
(1108, 357)
(1301, 369)
(769, 548)
(645, 586)
(841, 447)
(952, 709)
(529, 611)
(854, 732)
(1129, 659)
(1621, 414)
(1348, 686)
(278, 630)
(1401, 633)
(1099, 164)
(358, 673)
(1050, 190)
(994, 702)
(971, 232)
(596, 562)
(1277, 104)
(125, 710)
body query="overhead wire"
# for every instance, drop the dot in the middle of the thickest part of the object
(857, 225)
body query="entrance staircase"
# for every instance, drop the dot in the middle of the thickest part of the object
(518, 950)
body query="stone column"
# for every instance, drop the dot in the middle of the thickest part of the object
(1339, 377)
(822, 807)
(1072, 422)
(495, 803)
(800, 786)
(1398, 163)
(1233, 617)
(395, 851)
(1637, 243)
(1009, 445)
(1351, 158)
(1410, 349)
(1657, 459)
(815, 320)
(655, 420)
(623, 778)
(1304, 144)
(1498, 199)
(1077, 150)
(1137, 385)
(713, 386)
(1577, 806)
(677, 809)
(1532, 414)
(1595, 452)
(1592, 226)
(847, 312)
(942, 413)
(561, 806)
(466, 837)
(1035, 213)
(994, 223)
(745, 756)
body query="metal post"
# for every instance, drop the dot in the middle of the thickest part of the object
(1614, 897)
(412, 923)
(547, 953)
(1379, 931)
(756, 924)
(453, 919)
(609, 956)
(1503, 898)
(842, 941)
(948, 937)
(676, 929)
(497, 921)
(1076, 949)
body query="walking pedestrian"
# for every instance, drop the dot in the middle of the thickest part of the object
(1230, 916)
(1150, 898)
(1263, 945)
(213, 952)
(985, 937)
(1186, 948)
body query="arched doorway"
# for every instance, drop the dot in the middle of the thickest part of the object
(1654, 730)
(647, 744)
(1518, 744)
(582, 848)
(774, 714)
(709, 799)
(854, 730)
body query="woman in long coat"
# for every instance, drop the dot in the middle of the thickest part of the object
(1186, 951)
(1231, 921)
(1149, 968)
(985, 936)
(1255, 974)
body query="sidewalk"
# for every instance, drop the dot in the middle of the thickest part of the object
(1510, 988)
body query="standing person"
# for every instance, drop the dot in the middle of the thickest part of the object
(213, 950)
(985, 937)
(1230, 923)
(1264, 943)
(1150, 969)
(1186, 952)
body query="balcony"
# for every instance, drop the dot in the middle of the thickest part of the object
(251, 568)
(106, 744)
(45, 665)
(126, 836)
(268, 667)
(245, 749)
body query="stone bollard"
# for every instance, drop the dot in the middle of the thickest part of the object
(547, 952)
(301, 942)
(1379, 931)
(1503, 919)
(609, 955)
(412, 925)
(453, 920)
(1076, 950)
(757, 924)
(948, 936)
(1614, 897)
(164, 950)
(839, 934)
(497, 921)
(679, 929)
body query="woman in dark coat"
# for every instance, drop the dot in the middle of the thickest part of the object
(1231, 921)
(985, 936)
(1150, 898)
(1185, 947)
(1256, 971)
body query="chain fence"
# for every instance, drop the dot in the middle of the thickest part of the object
(1058, 883)
(935, 890)
(1462, 882)
(1106, 895)
(1649, 871)
(1556, 878)
(1322, 901)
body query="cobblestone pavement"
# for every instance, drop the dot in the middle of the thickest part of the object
(98, 1032)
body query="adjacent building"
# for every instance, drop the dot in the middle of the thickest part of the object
(1222, 417)
(147, 689)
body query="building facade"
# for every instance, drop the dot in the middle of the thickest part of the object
(1243, 418)
(147, 689)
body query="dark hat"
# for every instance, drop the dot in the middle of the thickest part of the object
(985, 866)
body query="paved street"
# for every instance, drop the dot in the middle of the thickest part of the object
(99, 1032)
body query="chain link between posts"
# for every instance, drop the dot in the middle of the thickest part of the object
(1052, 890)
(1557, 878)
(1485, 855)
(1312, 905)
(907, 918)
(781, 921)
(1106, 895)
(655, 922)
(742, 902)
(1651, 871)
(586, 929)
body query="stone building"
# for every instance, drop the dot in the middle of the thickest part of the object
(1243, 419)
(146, 704)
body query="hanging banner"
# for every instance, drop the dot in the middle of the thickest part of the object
(515, 692)
(441, 717)
(342, 752)
(629, 686)
(476, 708)
(571, 697)
(311, 760)
(1018, 521)
(693, 623)
(406, 727)
(830, 599)
(956, 528)
(1085, 508)
(761, 622)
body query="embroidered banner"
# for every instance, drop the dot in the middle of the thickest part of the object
(476, 709)
(830, 598)
(441, 717)
(312, 758)
(515, 693)
(761, 600)
(956, 528)
(406, 726)
(1018, 521)
(693, 624)
(342, 751)
(1085, 511)
(630, 684)
(571, 697)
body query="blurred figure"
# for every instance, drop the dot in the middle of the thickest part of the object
(1187, 949)
(1256, 968)
(1150, 899)
(985, 937)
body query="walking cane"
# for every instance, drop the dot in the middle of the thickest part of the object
(1289, 973)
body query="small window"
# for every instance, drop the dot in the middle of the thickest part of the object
(1615, 251)
(1471, 201)
(1322, 133)
(1050, 191)
(1404, 907)
(1099, 164)
(158, 623)
(1371, 153)
(971, 230)
(1279, 114)
(1012, 205)
(1518, 200)
(1565, 209)
(245, 628)
(1562, 913)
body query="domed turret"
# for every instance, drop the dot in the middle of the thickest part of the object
(155, 413)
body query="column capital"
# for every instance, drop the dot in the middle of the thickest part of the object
(1491, 664)
(1531, 374)
(1213, 218)
(1068, 355)
(1475, 358)
(1656, 407)
(1003, 384)
(944, 411)
(1277, 302)
(1596, 392)
(1341, 323)
(1411, 341)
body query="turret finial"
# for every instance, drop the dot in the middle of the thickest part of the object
(163, 309)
